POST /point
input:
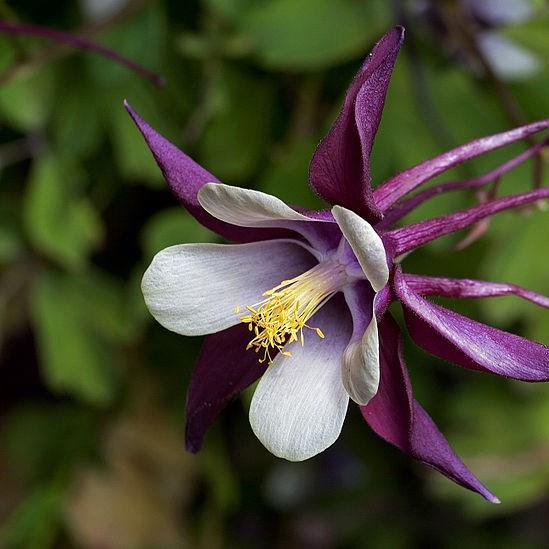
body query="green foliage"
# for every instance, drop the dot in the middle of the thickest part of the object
(76, 119)
(519, 245)
(287, 175)
(35, 524)
(25, 102)
(76, 319)
(532, 33)
(44, 442)
(234, 141)
(170, 227)
(59, 218)
(300, 35)
(10, 244)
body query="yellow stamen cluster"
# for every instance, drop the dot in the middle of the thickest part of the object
(281, 317)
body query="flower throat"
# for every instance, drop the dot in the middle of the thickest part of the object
(280, 318)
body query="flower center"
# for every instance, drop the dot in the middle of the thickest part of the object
(280, 318)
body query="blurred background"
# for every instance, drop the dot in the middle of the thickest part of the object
(92, 391)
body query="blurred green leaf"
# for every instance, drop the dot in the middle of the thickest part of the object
(77, 121)
(532, 33)
(234, 140)
(230, 9)
(532, 97)
(401, 125)
(303, 35)
(106, 305)
(60, 220)
(467, 110)
(36, 522)
(519, 241)
(25, 101)
(502, 435)
(171, 227)
(43, 442)
(10, 244)
(76, 356)
(287, 176)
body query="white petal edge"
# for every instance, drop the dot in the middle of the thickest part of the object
(193, 289)
(245, 207)
(366, 244)
(299, 405)
(360, 366)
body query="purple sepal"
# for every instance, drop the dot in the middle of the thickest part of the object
(223, 370)
(398, 211)
(413, 236)
(469, 343)
(400, 420)
(396, 187)
(340, 169)
(185, 178)
(467, 287)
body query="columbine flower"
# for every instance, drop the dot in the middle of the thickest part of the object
(301, 302)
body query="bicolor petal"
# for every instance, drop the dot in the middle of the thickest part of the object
(469, 343)
(245, 207)
(340, 168)
(250, 208)
(400, 420)
(195, 289)
(360, 363)
(299, 405)
(366, 244)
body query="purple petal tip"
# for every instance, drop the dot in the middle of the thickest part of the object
(129, 108)
(194, 448)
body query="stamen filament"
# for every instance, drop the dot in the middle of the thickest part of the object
(280, 318)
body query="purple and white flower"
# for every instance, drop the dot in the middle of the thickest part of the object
(300, 301)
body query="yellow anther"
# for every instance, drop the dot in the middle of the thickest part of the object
(280, 318)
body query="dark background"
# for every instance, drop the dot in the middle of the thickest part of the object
(92, 391)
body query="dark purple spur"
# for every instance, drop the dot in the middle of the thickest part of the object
(301, 300)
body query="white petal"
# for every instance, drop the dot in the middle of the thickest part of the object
(245, 207)
(360, 367)
(366, 244)
(192, 289)
(299, 405)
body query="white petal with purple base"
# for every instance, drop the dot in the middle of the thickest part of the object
(366, 244)
(360, 364)
(299, 405)
(245, 207)
(192, 289)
